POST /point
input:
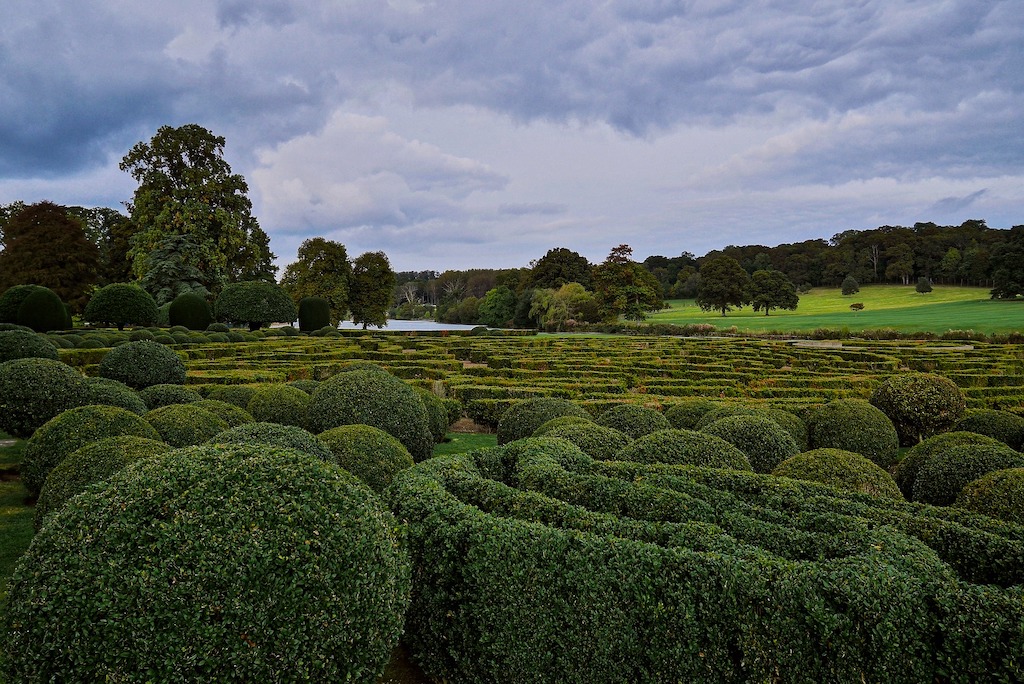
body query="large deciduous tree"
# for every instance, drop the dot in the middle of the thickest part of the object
(770, 289)
(1008, 266)
(724, 284)
(623, 287)
(558, 267)
(256, 303)
(187, 188)
(321, 270)
(498, 307)
(371, 287)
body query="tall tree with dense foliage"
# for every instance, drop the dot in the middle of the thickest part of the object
(45, 246)
(255, 303)
(498, 307)
(172, 269)
(1008, 266)
(770, 289)
(558, 267)
(623, 287)
(724, 284)
(187, 188)
(370, 289)
(850, 285)
(321, 270)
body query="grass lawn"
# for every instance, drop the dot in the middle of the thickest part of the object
(461, 442)
(885, 306)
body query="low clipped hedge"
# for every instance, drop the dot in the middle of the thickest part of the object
(371, 454)
(537, 564)
(113, 393)
(279, 403)
(684, 447)
(919, 404)
(633, 420)
(143, 363)
(999, 494)
(71, 430)
(183, 425)
(94, 462)
(25, 344)
(32, 391)
(597, 441)
(1007, 427)
(843, 469)
(156, 396)
(686, 414)
(854, 425)
(298, 572)
(277, 435)
(522, 418)
(941, 477)
(905, 472)
(229, 413)
(764, 442)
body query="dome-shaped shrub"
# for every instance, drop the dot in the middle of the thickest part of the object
(791, 423)
(1007, 427)
(136, 335)
(941, 478)
(42, 310)
(218, 328)
(522, 418)
(377, 399)
(239, 395)
(25, 344)
(919, 404)
(764, 442)
(229, 413)
(306, 386)
(141, 364)
(185, 424)
(279, 403)
(107, 392)
(218, 337)
(72, 430)
(220, 564)
(156, 396)
(597, 441)
(87, 465)
(999, 494)
(372, 455)
(546, 426)
(437, 413)
(727, 411)
(685, 414)
(121, 304)
(58, 341)
(190, 311)
(10, 302)
(314, 314)
(32, 391)
(905, 472)
(276, 435)
(633, 420)
(255, 303)
(854, 425)
(685, 447)
(842, 469)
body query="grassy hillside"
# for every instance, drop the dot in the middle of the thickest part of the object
(885, 306)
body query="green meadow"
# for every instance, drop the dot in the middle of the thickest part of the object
(885, 306)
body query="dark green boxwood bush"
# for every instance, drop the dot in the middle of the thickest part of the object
(279, 403)
(596, 441)
(109, 392)
(144, 363)
(189, 311)
(143, 334)
(314, 314)
(42, 310)
(72, 430)
(239, 395)
(277, 435)
(763, 441)
(684, 447)
(791, 423)
(941, 477)
(306, 386)
(183, 425)
(524, 417)
(686, 414)
(838, 468)
(121, 304)
(229, 413)
(999, 494)
(633, 420)
(60, 341)
(221, 564)
(436, 411)
(32, 391)
(905, 472)
(1007, 427)
(10, 303)
(218, 328)
(372, 455)
(919, 404)
(559, 422)
(94, 462)
(727, 411)
(165, 340)
(377, 399)
(156, 396)
(854, 425)
(218, 337)
(255, 303)
(25, 344)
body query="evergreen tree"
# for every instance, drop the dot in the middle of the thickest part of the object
(623, 287)
(850, 285)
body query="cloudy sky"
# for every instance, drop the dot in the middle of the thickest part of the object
(463, 133)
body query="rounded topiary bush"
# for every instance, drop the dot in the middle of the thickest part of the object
(633, 420)
(437, 413)
(686, 414)
(842, 469)
(220, 563)
(999, 494)
(941, 478)
(306, 386)
(522, 418)
(143, 334)
(726, 411)
(87, 465)
(144, 363)
(684, 447)
(25, 344)
(10, 302)
(255, 303)
(42, 310)
(279, 404)
(32, 391)
(121, 304)
(854, 425)
(1007, 427)
(377, 399)
(229, 413)
(596, 441)
(372, 455)
(72, 430)
(239, 395)
(277, 435)
(765, 443)
(156, 396)
(185, 424)
(905, 472)
(546, 426)
(919, 404)
(190, 311)
(791, 423)
(314, 314)
(113, 393)
(218, 328)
